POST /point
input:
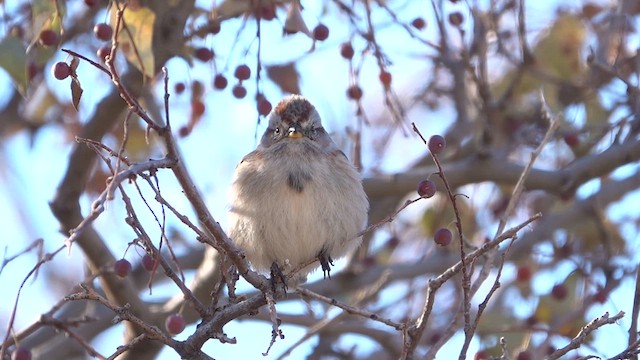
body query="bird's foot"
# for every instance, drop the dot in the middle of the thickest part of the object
(277, 277)
(326, 262)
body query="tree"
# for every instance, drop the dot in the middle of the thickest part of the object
(520, 229)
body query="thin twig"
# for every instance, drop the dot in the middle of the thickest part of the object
(585, 332)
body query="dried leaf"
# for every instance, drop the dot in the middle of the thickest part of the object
(294, 22)
(74, 64)
(136, 38)
(76, 92)
(233, 8)
(286, 76)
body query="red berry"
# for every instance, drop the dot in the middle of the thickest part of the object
(524, 273)
(369, 261)
(220, 82)
(264, 106)
(239, 91)
(354, 92)
(571, 139)
(385, 78)
(524, 355)
(346, 51)
(103, 31)
(531, 320)
(456, 18)
(61, 70)
(426, 188)
(148, 263)
(175, 324)
(179, 88)
(213, 27)
(267, 12)
(559, 292)
(443, 237)
(122, 268)
(21, 354)
(436, 144)
(32, 70)
(197, 108)
(243, 72)
(601, 296)
(184, 131)
(203, 54)
(90, 2)
(480, 355)
(418, 23)
(103, 53)
(48, 37)
(393, 242)
(321, 32)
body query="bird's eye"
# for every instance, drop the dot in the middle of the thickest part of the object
(276, 131)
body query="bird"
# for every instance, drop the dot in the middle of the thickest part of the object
(296, 198)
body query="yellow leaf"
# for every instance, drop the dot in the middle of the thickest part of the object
(136, 38)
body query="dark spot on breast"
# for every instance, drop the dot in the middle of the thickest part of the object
(297, 180)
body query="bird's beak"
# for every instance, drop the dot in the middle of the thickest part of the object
(295, 132)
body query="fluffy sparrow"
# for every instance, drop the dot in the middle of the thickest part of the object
(296, 197)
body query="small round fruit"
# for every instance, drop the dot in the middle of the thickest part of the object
(197, 108)
(103, 31)
(175, 324)
(571, 139)
(346, 51)
(184, 131)
(321, 32)
(418, 23)
(264, 106)
(213, 26)
(239, 91)
(426, 188)
(32, 70)
(456, 18)
(122, 268)
(524, 355)
(61, 70)
(601, 296)
(103, 53)
(91, 2)
(147, 261)
(443, 236)
(523, 273)
(179, 88)
(436, 144)
(21, 353)
(559, 292)
(203, 54)
(48, 37)
(220, 82)
(393, 242)
(354, 92)
(480, 355)
(385, 78)
(267, 12)
(243, 72)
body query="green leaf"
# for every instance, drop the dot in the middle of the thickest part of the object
(13, 60)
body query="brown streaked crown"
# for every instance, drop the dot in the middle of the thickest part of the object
(294, 109)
